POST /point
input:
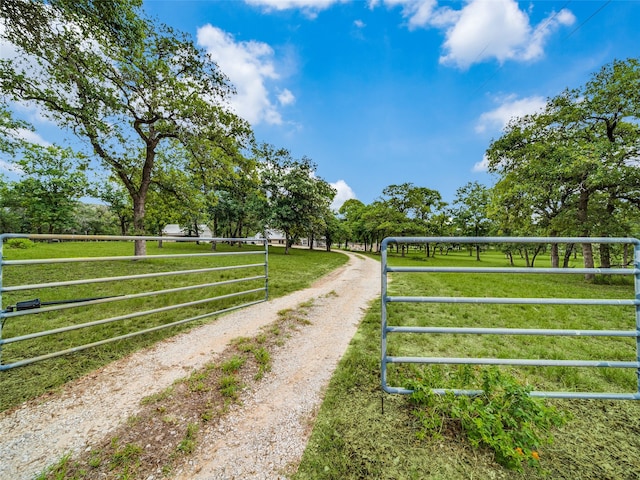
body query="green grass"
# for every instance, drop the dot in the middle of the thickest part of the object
(287, 273)
(354, 439)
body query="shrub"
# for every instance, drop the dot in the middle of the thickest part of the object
(21, 243)
(503, 417)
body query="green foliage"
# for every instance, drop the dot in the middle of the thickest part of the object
(125, 457)
(504, 417)
(20, 243)
(572, 166)
(228, 386)
(188, 444)
(296, 198)
(233, 364)
(58, 471)
(126, 60)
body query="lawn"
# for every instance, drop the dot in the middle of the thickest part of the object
(364, 433)
(287, 273)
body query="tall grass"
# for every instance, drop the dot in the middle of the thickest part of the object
(361, 432)
(287, 273)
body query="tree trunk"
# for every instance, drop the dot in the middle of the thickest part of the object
(240, 233)
(625, 255)
(286, 243)
(587, 248)
(140, 246)
(605, 255)
(587, 255)
(567, 255)
(555, 256)
(536, 251)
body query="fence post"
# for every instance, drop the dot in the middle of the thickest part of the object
(383, 314)
(1, 284)
(636, 265)
(266, 269)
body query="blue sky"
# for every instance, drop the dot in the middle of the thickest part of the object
(391, 91)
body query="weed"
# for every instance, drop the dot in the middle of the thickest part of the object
(127, 456)
(188, 444)
(228, 386)
(58, 470)
(167, 470)
(170, 419)
(243, 344)
(233, 364)
(157, 397)
(306, 305)
(95, 460)
(133, 420)
(262, 356)
(503, 417)
(207, 415)
(275, 330)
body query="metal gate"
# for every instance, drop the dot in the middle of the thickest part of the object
(219, 288)
(400, 329)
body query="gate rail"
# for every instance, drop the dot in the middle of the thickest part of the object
(34, 307)
(635, 302)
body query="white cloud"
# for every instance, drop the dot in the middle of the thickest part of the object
(344, 193)
(285, 97)
(308, 7)
(482, 165)
(483, 29)
(10, 167)
(250, 66)
(31, 137)
(510, 107)
(359, 23)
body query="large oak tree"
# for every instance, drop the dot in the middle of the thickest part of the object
(574, 167)
(126, 86)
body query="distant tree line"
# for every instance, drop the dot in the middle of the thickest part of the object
(151, 108)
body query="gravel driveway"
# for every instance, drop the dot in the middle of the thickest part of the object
(262, 439)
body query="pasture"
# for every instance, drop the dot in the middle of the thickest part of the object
(363, 433)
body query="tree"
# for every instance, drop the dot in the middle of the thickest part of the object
(295, 196)
(417, 204)
(91, 219)
(128, 87)
(472, 201)
(119, 202)
(53, 182)
(10, 220)
(352, 211)
(573, 167)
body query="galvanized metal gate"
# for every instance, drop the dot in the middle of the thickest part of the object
(633, 332)
(247, 288)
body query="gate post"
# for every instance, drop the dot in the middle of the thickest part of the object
(383, 314)
(636, 265)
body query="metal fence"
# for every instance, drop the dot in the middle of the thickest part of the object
(164, 286)
(400, 329)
